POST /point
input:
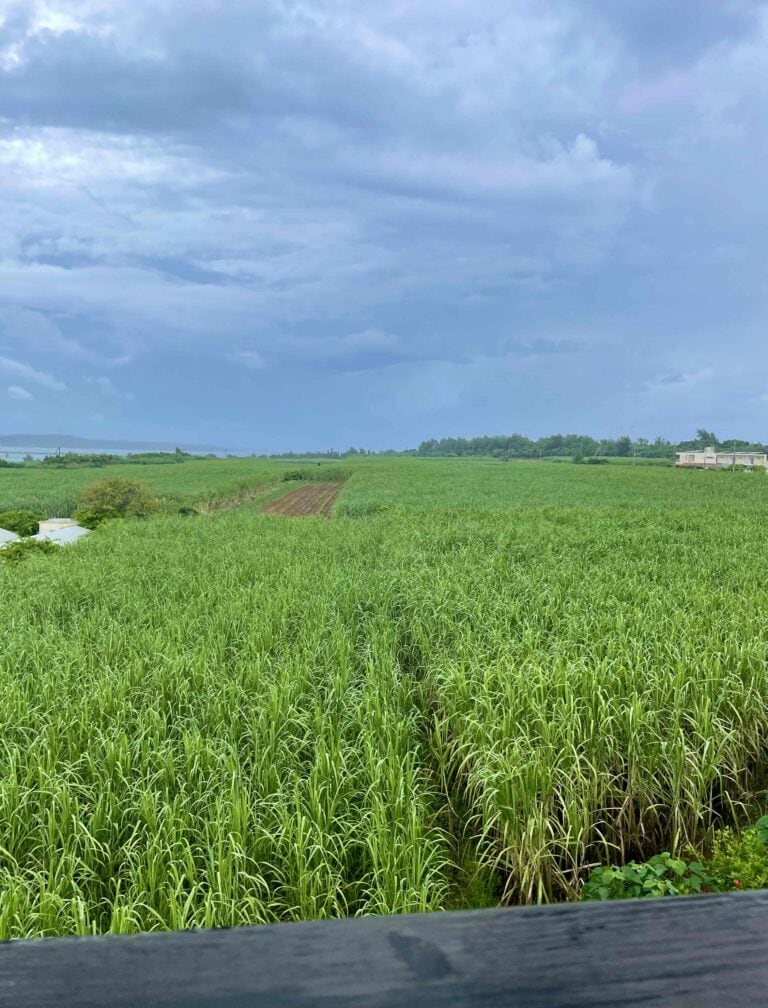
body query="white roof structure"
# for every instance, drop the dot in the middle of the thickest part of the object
(64, 535)
(7, 537)
(47, 525)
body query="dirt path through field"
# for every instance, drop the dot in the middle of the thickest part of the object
(312, 499)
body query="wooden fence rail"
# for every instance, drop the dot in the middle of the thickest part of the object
(694, 952)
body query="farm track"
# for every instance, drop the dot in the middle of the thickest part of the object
(314, 499)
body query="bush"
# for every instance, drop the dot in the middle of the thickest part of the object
(662, 875)
(578, 459)
(23, 523)
(364, 509)
(740, 861)
(15, 552)
(115, 498)
(594, 460)
(321, 473)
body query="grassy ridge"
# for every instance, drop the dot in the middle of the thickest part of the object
(505, 674)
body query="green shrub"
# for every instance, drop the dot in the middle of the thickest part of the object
(115, 498)
(364, 509)
(740, 860)
(662, 875)
(578, 459)
(23, 523)
(594, 460)
(321, 473)
(15, 552)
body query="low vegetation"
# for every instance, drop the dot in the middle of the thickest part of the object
(737, 861)
(14, 552)
(23, 523)
(477, 682)
(115, 498)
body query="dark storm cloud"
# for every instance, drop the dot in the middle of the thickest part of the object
(540, 208)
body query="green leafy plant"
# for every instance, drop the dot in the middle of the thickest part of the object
(740, 860)
(115, 498)
(761, 828)
(22, 522)
(15, 552)
(662, 875)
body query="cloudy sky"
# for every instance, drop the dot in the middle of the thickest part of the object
(329, 222)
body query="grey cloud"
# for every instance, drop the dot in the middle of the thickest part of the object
(346, 191)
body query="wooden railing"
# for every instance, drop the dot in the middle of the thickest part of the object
(696, 952)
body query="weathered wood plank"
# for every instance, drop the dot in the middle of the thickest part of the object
(699, 952)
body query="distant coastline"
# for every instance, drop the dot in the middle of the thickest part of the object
(49, 444)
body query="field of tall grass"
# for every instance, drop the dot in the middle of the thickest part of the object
(472, 684)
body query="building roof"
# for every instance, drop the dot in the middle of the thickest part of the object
(63, 536)
(722, 451)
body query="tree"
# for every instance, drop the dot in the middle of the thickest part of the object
(707, 438)
(115, 498)
(624, 446)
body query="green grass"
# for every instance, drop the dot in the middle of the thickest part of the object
(55, 491)
(474, 683)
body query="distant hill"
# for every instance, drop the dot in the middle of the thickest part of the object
(68, 442)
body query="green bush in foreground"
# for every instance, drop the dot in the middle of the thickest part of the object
(15, 552)
(22, 522)
(115, 498)
(662, 875)
(738, 861)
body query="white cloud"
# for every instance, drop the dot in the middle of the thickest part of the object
(17, 392)
(21, 370)
(370, 339)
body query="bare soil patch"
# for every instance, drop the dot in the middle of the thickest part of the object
(312, 499)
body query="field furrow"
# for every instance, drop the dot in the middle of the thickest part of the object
(313, 499)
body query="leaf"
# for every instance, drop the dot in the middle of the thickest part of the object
(761, 826)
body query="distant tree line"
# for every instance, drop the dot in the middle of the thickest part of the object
(520, 446)
(69, 460)
(332, 454)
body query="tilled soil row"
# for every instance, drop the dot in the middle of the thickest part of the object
(312, 499)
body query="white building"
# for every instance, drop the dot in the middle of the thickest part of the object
(708, 458)
(61, 531)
